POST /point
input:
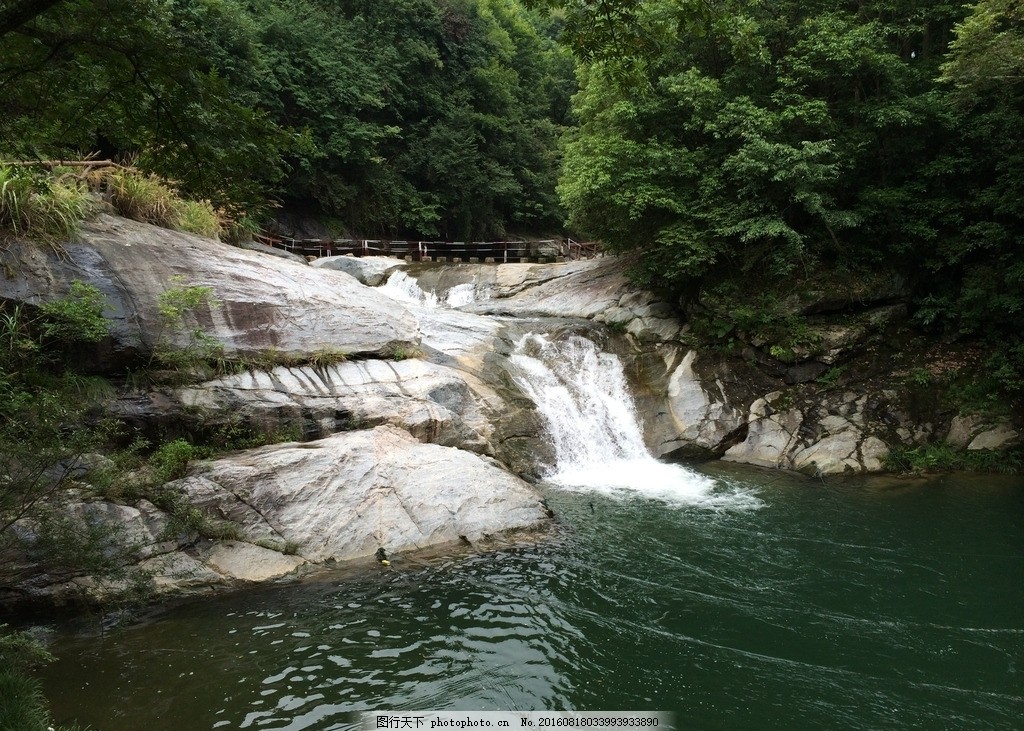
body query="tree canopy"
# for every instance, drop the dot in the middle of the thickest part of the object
(436, 117)
(751, 139)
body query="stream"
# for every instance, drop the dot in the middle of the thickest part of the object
(736, 598)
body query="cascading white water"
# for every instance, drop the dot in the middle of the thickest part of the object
(583, 397)
(402, 287)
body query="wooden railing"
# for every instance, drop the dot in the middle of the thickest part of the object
(497, 252)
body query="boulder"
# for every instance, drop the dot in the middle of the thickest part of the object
(698, 423)
(820, 436)
(242, 561)
(372, 271)
(999, 437)
(771, 434)
(263, 305)
(432, 402)
(349, 494)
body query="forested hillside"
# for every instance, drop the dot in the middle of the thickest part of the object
(763, 143)
(737, 146)
(394, 116)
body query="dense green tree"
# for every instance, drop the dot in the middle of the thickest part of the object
(760, 135)
(425, 117)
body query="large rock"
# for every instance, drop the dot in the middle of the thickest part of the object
(697, 422)
(824, 435)
(247, 562)
(430, 401)
(269, 250)
(370, 270)
(265, 305)
(596, 289)
(348, 495)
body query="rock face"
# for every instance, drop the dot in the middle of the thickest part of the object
(697, 418)
(350, 494)
(431, 402)
(265, 305)
(596, 289)
(829, 437)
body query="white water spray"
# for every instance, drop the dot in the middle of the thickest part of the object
(402, 287)
(582, 395)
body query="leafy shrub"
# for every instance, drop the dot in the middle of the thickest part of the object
(22, 705)
(142, 197)
(944, 458)
(171, 460)
(176, 303)
(79, 316)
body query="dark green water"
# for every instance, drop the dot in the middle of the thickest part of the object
(876, 604)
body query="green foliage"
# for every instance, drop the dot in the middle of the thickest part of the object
(831, 377)
(185, 519)
(41, 400)
(171, 460)
(22, 705)
(419, 116)
(726, 315)
(753, 140)
(944, 458)
(21, 651)
(77, 317)
(399, 352)
(180, 347)
(326, 357)
(36, 205)
(149, 199)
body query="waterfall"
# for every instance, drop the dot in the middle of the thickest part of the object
(583, 397)
(402, 287)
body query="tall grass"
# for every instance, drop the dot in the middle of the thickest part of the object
(149, 199)
(38, 205)
(48, 204)
(22, 705)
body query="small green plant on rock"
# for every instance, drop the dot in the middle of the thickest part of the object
(175, 304)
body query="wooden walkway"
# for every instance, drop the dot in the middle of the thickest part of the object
(490, 252)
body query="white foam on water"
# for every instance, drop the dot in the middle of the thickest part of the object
(584, 399)
(402, 287)
(461, 294)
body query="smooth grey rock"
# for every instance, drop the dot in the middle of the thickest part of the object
(698, 419)
(370, 270)
(248, 562)
(272, 251)
(835, 454)
(873, 452)
(771, 435)
(178, 572)
(264, 305)
(962, 430)
(595, 289)
(999, 437)
(432, 402)
(349, 494)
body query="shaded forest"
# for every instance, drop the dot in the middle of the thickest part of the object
(726, 143)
